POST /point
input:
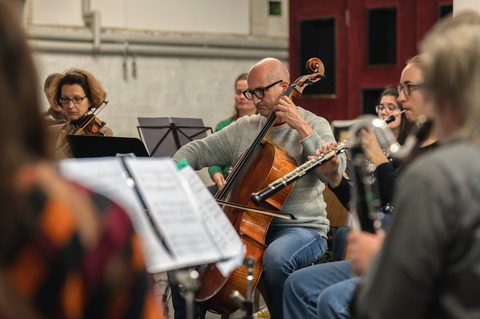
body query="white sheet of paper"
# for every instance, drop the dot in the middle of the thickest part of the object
(173, 210)
(194, 228)
(107, 176)
(221, 230)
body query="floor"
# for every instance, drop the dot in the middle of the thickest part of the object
(161, 290)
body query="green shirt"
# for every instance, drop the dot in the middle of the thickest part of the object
(216, 168)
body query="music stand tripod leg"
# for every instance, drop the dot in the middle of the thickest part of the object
(189, 280)
(246, 303)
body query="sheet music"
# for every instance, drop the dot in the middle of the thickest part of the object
(173, 211)
(193, 227)
(107, 176)
(216, 223)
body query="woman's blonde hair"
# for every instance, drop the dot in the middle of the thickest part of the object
(451, 67)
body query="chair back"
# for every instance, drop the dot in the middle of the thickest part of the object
(339, 218)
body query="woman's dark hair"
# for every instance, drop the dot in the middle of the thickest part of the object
(405, 125)
(22, 130)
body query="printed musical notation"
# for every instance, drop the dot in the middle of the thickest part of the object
(179, 222)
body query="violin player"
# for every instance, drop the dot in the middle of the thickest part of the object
(291, 244)
(81, 95)
(55, 113)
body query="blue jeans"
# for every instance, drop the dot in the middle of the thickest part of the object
(334, 301)
(303, 288)
(288, 250)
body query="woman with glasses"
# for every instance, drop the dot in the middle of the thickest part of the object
(242, 107)
(325, 290)
(80, 94)
(412, 97)
(388, 105)
(385, 167)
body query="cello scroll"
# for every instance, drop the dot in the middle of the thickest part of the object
(316, 66)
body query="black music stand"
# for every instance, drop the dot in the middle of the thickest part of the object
(163, 136)
(83, 146)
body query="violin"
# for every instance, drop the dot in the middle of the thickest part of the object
(90, 125)
(263, 162)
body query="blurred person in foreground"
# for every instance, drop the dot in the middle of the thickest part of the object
(428, 264)
(65, 252)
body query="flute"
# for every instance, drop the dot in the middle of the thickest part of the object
(392, 117)
(303, 169)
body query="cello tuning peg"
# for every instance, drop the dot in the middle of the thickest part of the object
(249, 262)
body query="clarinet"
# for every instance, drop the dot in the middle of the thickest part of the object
(303, 169)
(291, 177)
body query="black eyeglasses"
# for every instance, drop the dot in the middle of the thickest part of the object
(408, 88)
(258, 92)
(390, 107)
(76, 100)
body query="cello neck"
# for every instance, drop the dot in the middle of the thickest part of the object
(290, 90)
(232, 177)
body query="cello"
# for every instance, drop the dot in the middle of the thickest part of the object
(263, 162)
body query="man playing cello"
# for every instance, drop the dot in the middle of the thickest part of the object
(291, 244)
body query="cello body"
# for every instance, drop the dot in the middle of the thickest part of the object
(270, 162)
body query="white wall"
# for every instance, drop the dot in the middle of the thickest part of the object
(205, 16)
(187, 59)
(460, 5)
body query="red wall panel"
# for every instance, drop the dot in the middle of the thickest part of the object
(353, 74)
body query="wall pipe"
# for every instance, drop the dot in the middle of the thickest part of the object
(158, 50)
(81, 42)
(92, 20)
(159, 39)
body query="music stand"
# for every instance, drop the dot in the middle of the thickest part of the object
(83, 146)
(163, 136)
